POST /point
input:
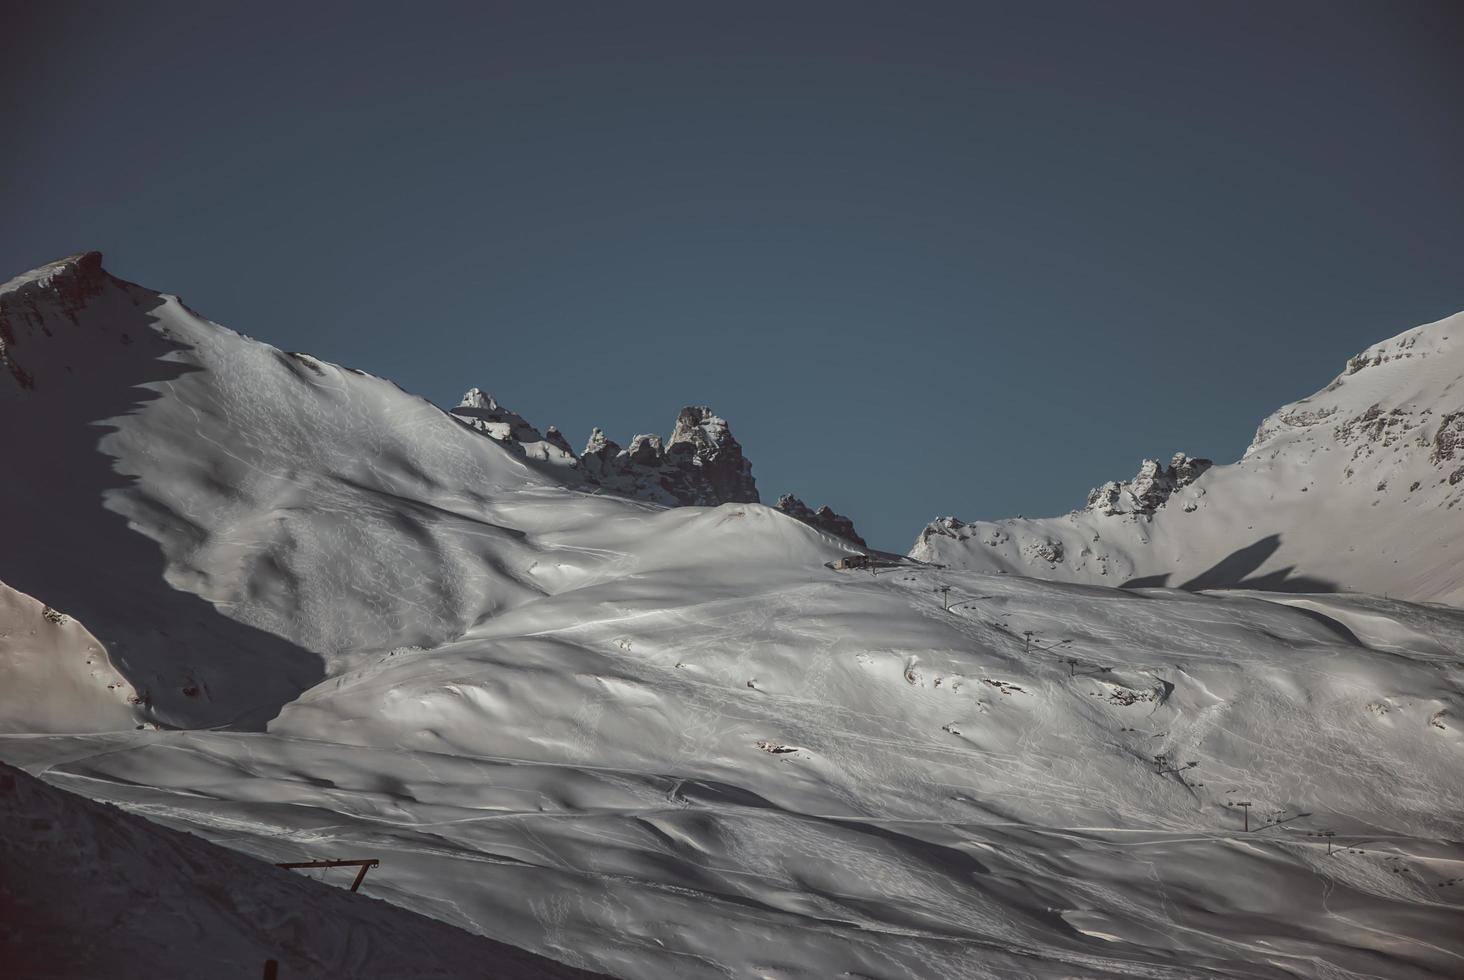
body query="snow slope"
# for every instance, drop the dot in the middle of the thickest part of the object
(89, 891)
(825, 774)
(672, 743)
(233, 519)
(58, 678)
(1355, 488)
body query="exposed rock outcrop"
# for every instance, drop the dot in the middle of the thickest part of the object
(699, 464)
(825, 518)
(1150, 488)
(479, 410)
(63, 286)
(708, 460)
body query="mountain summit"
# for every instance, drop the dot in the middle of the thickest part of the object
(1354, 488)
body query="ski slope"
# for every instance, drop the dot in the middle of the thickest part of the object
(671, 742)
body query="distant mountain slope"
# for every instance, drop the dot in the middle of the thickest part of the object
(91, 891)
(1355, 488)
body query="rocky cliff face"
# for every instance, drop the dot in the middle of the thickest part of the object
(700, 464)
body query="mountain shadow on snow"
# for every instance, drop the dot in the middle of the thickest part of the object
(1237, 571)
(69, 505)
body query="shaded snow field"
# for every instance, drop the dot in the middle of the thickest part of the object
(149, 902)
(672, 743)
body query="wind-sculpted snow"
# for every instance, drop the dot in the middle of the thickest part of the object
(1356, 488)
(673, 742)
(582, 775)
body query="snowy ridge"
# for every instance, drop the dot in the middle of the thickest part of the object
(672, 742)
(1354, 488)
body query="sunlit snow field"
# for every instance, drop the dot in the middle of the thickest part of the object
(674, 743)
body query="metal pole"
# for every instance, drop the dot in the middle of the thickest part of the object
(361, 876)
(362, 864)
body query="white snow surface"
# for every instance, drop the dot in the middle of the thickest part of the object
(1356, 488)
(671, 743)
(58, 678)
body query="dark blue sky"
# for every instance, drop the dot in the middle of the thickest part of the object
(967, 259)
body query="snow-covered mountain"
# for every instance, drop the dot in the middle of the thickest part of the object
(672, 742)
(1355, 488)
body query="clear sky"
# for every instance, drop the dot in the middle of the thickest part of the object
(969, 259)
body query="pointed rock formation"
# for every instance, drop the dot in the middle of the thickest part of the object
(480, 411)
(701, 464)
(1150, 488)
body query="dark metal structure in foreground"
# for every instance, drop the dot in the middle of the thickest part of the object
(365, 865)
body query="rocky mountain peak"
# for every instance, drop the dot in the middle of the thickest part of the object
(702, 441)
(480, 411)
(646, 450)
(63, 286)
(700, 464)
(1150, 488)
(600, 445)
(478, 399)
(701, 428)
